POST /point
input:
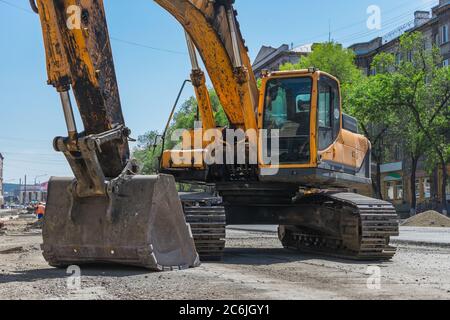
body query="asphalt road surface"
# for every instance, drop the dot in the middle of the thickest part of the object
(255, 267)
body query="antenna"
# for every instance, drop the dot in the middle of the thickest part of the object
(329, 30)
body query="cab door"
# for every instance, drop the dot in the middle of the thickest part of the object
(331, 149)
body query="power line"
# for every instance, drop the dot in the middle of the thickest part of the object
(398, 20)
(388, 22)
(23, 139)
(136, 44)
(131, 43)
(42, 162)
(23, 169)
(16, 6)
(30, 153)
(346, 26)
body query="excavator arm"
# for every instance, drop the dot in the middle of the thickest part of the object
(79, 57)
(213, 28)
(108, 213)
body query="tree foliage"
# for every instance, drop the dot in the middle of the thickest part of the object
(366, 100)
(411, 93)
(330, 57)
(150, 145)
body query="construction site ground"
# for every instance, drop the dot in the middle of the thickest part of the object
(255, 267)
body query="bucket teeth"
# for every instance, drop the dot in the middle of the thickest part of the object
(148, 230)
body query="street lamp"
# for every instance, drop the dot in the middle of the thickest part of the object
(40, 176)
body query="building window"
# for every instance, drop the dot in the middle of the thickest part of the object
(436, 39)
(427, 188)
(444, 34)
(448, 190)
(445, 63)
(399, 190)
(409, 56)
(417, 189)
(390, 188)
(394, 190)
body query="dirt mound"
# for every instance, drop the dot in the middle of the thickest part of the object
(428, 219)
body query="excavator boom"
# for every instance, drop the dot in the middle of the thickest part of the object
(213, 28)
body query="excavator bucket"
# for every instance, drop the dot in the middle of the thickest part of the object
(141, 224)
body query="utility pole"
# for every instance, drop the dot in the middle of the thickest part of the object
(20, 189)
(25, 191)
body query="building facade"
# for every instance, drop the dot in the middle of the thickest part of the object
(271, 59)
(32, 193)
(433, 25)
(396, 182)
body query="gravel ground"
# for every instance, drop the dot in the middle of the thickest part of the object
(255, 267)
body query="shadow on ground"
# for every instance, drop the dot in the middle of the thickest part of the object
(272, 256)
(87, 271)
(233, 256)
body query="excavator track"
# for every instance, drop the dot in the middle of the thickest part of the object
(206, 216)
(208, 225)
(366, 226)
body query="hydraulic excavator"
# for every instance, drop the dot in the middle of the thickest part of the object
(322, 160)
(108, 213)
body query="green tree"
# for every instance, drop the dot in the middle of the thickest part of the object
(333, 58)
(330, 57)
(148, 151)
(419, 94)
(150, 146)
(365, 100)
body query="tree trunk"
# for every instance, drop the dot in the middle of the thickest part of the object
(414, 162)
(379, 194)
(377, 155)
(444, 187)
(435, 189)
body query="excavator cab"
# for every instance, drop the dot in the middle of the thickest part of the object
(318, 145)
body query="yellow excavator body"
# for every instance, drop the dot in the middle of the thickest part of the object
(110, 214)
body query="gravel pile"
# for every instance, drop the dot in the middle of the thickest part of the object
(428, 219)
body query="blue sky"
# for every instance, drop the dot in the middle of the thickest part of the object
(149, 79)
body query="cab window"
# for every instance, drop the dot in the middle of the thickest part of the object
(329, 112)
(288, 109)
